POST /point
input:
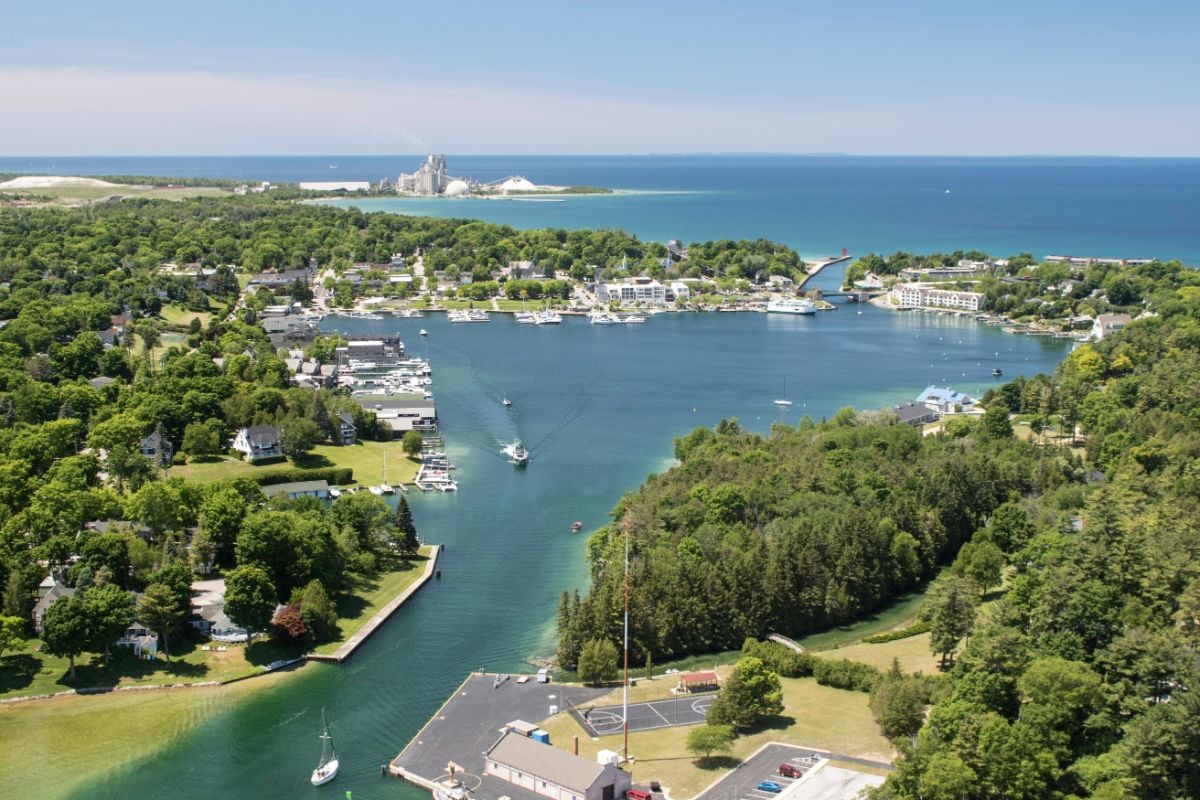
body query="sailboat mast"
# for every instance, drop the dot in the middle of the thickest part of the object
(625, 701)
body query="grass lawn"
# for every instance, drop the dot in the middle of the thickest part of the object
(178, 315)
(365, 458)
(370, 595)
(51, 748)
(29, 672)
(913, 653)
(813, 716)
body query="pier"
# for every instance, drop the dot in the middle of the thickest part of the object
(381, 616)
(816, 266)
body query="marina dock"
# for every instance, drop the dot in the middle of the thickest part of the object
(346, 650)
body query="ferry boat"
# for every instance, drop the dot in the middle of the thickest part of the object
(791, 306)
(363, 315)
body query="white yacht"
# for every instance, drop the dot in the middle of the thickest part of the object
(526, 317)
(601, 318)
(547, 318)
(518, 456)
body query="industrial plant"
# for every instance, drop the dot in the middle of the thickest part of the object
(432, 180)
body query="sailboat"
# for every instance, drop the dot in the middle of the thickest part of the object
(784, 401)
(385, 487)
(327, 767)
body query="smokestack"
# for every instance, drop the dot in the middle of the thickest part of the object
(576, 744)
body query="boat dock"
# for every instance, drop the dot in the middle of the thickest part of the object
(346, 650)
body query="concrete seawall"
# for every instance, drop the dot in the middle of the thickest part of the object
(381, 616)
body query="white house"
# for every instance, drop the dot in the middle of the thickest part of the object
(1109, 323)
(259, 443)
(550, 772)
(640, 290)
(680, 291)
(50, 591)
(944, 400)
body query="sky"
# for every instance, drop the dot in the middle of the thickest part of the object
(919, 77)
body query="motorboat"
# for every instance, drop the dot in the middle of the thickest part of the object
(424, 332)
(997, 372)
(576, 526)
(327, 767)
(507, 403)
(791, 306)
(601, 318)
(547, 318)
(526, 317)
(517, 455)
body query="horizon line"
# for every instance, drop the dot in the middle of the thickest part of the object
(698, 153)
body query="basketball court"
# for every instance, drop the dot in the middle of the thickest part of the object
(687, 709)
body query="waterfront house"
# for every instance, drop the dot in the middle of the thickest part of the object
(1109, 323)
(50, 591)
(915, 414)
(317, 489)
(551, 772)
(259, 443)
(944, 400)
(347, 430)
(401, 412)
(143, 641)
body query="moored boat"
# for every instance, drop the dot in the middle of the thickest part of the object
(790, 305)
(327, 767)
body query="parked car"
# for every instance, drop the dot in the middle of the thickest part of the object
(769, 786)
(790, 771)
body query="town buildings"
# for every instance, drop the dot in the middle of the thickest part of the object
(925, 295)
(642, 291)
(551, 772)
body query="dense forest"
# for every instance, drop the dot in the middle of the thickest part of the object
(802, 529)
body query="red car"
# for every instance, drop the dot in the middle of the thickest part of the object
(790, 771)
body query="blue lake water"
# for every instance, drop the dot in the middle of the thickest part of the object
(817, 204)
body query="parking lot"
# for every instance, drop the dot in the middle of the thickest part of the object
(741, 783)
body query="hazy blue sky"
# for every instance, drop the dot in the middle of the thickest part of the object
(386, 76)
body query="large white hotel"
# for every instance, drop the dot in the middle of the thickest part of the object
(924, 295)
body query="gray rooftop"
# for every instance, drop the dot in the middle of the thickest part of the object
(546, 762)
(296, 487)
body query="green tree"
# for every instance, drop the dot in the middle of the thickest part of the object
(12, 633)
(996, 422)
(598, 661)
(412, 442)
(406, 540)
(65, 630)
(751, 694)
(947, 777)
(200, 440)
(109, 611)
(952, 614)
(299, 437)
(898, 703)
(158, 609)
(704, 740)
(16, 595)
(318, 611)
(982, 562)
(249, 599)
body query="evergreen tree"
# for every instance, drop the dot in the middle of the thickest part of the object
(318, 611)
(16, 596)
(407, 541)
(952, 615)
(598, 661)
(320, 417)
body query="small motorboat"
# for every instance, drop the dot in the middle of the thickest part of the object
(506, 402)
(518, 456)
(576, 526)
(327, 767)
(997, 372)
(424, 332)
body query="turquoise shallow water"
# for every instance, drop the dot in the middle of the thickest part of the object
(598, 407)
